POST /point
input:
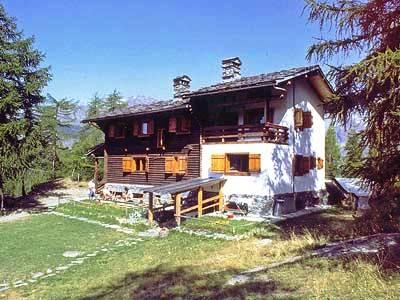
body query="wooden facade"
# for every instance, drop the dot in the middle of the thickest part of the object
(151, 153)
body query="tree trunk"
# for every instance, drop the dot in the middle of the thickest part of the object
(1, 197)
(23, 186)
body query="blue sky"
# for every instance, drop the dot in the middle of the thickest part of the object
(138, 47)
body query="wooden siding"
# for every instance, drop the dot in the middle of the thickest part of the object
(175, 145)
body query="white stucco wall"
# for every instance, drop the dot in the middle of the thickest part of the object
(276, 160)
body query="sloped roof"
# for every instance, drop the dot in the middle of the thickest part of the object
(353, 186)
(158, 106)
(267, 79)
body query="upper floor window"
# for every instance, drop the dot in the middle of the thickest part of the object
(143, 128)
(302, 119)
(179, 124)
(116, 131)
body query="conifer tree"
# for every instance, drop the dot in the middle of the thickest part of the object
(21, 82)
(332, 154)
(369, 86)
(352, 161)
(114, 101)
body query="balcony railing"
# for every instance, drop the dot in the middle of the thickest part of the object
(270, 133)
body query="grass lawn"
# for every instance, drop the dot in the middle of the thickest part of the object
(38, 243)
(181, 266)
(106, 213)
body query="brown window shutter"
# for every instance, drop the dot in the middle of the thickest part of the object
(313, 162)
(111, 131)
(150, 128)
(182, 165)
(254, 163)
(185, 124)
(160, 138)
(135, 129)
(169, 164)
(297, 165)
(307, 119)
(218, 163)
(320, 163)
(172, 124)
(305, 165)
(298, 118)
(127, 164)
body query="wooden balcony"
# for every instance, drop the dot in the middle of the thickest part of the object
(268, 133)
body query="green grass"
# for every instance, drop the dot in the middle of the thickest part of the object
(230, 226)
(106, 213)
(38, 242)
(181, 266)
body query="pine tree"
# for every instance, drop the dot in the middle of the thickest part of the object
(370, 87)
(114, 101)
(57, 116)
(21, 82)
(332, 154)
(95, 106)
(352, 161)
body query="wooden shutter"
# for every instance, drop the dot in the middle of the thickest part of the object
(218, 163)
(313, 162)
(160, 138)
(150, 128)
(185, 124)
(181, 165)
(297, 165)
(169, 164)
(298, 118)
(307, 119)
(172, 124)
(305, 165)
(135, 128)
(320, 163)
(254, 163)
(127, 164)
(111, 131)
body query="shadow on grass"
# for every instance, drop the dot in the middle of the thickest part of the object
(333, 224)
(163, 282)
(30, 201)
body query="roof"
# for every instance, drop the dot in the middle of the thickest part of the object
(97, 150)
(142, 109)
(268, 79)
(184, 185)
(353, 186)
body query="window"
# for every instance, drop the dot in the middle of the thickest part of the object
(160, 138)
(143, 128)
(302, 119)
(132, 164)
(116, 131)
(236, 163)
(303, 164)
(176, 165)
(254, 116)
(179, 124)
(320, 163)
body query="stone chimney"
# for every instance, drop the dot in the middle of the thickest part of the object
(231, 69)
(181, 86)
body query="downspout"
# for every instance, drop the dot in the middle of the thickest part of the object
(293, 141)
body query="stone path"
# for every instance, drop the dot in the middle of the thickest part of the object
(83, 219)
(77, 260)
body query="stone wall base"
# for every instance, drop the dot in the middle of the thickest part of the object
(280, 203)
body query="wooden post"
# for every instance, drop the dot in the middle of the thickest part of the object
(220, 198)
(96, 171)
(200, 202)
(150, 209)
(178, 199)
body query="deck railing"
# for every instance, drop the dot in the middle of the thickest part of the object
(268, 132)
